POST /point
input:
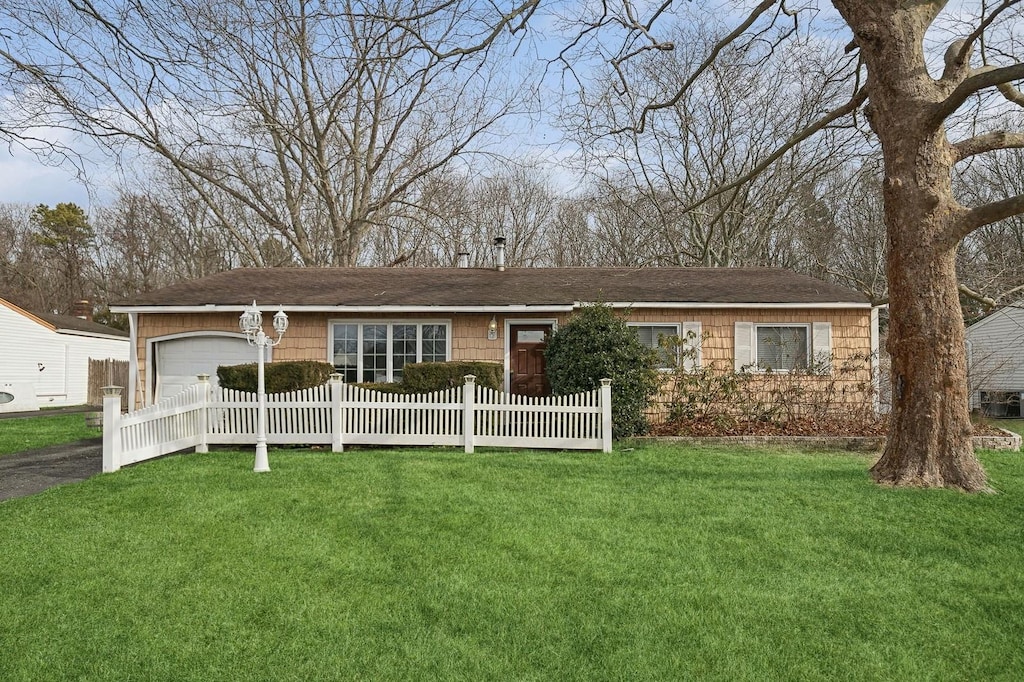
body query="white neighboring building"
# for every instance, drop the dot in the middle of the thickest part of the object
(995, 362)
(44, 359)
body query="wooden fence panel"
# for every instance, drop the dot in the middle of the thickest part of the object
(106, 373)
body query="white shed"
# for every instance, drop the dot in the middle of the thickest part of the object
(44, 359)
(995, 362)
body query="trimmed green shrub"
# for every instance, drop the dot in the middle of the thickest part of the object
(597, 344)
(280, 377)
(424, 377)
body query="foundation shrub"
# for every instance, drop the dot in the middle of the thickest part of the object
(426, 377)
(597, 344)
(823, 399)
(280, 377)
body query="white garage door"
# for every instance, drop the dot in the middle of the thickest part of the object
(179, 361)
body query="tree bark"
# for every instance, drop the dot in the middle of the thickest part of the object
(930, 429)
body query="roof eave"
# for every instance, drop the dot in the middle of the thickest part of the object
(95, 335)
(517, 308)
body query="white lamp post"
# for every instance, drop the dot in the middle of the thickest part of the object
(251, 323)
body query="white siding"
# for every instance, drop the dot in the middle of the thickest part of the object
(996, 353)
(56, 364)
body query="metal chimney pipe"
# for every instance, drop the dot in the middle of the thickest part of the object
(463, 259)
(499, 244)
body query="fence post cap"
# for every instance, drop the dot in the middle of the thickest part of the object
(336, 376)
(470, 378)
(203, 377)
(606, 382)
(112, 390)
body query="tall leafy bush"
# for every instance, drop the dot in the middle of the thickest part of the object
(597, 344)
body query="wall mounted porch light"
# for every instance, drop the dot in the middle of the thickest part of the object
(492, 329)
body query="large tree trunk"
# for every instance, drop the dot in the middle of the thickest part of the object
(930, 430)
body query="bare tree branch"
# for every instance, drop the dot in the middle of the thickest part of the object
(987, 214)
(980, 79)
(976, 296)
(720, 45)
(845, 110)
(988, 142)
(959, 52)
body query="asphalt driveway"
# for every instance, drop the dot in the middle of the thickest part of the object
(33, 471)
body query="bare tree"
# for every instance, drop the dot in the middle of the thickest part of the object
(990, 263)
(572, 240)
(459, 213)
(843, 236)
(729, 119)
(24, 280)
(299, 122)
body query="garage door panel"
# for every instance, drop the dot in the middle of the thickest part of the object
(180, 361)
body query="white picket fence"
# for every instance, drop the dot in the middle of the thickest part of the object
(340, 414)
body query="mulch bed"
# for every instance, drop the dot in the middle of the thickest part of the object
(798, 427)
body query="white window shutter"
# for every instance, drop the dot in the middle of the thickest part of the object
(822, 344)
(744, 343)
(691, 339)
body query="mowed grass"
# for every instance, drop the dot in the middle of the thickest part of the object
(17, 435)
(651, 564)
(1015, 425)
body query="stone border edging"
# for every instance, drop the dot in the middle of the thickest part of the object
(1009, 441)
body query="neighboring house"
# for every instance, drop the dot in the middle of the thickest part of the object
(370, 322)
(995, 362)
(44, 359)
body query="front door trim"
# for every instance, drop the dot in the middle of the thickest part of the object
(511, 322)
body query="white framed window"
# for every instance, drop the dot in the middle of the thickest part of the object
(651, 336)
(374, 351)
(688, 333)
(783, 347)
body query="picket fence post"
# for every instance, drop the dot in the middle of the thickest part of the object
(111, 428)
(337, 443)
(204, 414)
(606, 415)
(468, 410)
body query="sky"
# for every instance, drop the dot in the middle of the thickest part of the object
(26, 179)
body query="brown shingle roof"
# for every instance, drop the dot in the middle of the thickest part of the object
(449, 287)
(77, 324)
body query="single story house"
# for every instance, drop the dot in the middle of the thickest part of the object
(369, 322)
(995, 362)
(44, 358)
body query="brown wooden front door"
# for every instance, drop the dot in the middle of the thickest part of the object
(527, 344)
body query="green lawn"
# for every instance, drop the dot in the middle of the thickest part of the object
(37, 432)
(654, 564)
(1015, 425)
